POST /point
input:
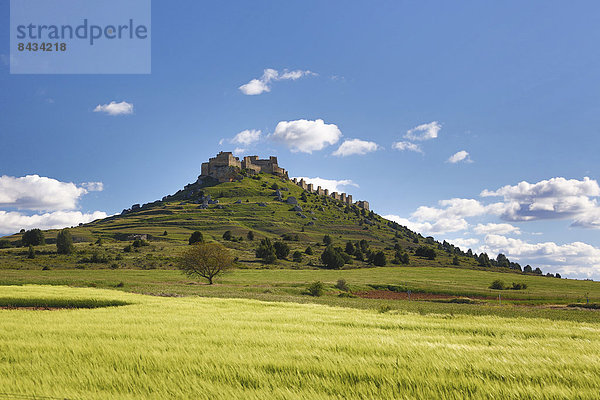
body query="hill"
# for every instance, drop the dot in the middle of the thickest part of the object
(267, 205)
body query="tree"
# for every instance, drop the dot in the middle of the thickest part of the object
(281, 250)
(33, 237)
(484, 260)
(297, 256)
(196, 237)
(333, 257)
(227, 235)
(250, 235)
(266, 251)
(64, 242)
(528, 269)
(537, 271)
(349, 248)
(165, 233)
(327, 240)
(364, 245)
(502, 261)
(309, 251)
(206, 260)
(455, 260)
(424, 251)
(31, 252)
(404, 258)
(379, 259)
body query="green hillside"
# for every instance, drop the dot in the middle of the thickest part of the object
(249, 204)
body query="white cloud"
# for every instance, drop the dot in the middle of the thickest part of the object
(460, 156)
(263, 84)
(424, 131)
(12, 222)
(451, 209)
(440, 226)
(550, 199)
(93, 186)
(34, 192)
(500, 229)
(576, 259)
(113, 108)
(355, 146)
(407, 146)
(247, 137)
(332, 185)
(463, 243)
(306, 136)
(239, 151)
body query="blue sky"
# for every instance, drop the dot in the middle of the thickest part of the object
(513, 84)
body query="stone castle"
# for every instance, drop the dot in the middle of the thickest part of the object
(225, 167)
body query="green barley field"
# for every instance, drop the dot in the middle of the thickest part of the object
(194, 347)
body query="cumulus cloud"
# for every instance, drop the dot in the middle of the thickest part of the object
(263, 84)
(550, 199)
(460, 156)
(464, 243)
(355, 147)
(114, 108)
(576, 259)
(449, 217)
(424, 131)
(12, 222)
(332, 185)
(305, 135)
(247, 137)
(500, 229)
(440, 226)
(407, 146)
(34, 192)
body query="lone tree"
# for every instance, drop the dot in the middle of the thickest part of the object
(64, 242)
(205, 260)
(34, 237)
(196, 237)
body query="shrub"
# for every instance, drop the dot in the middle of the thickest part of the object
(128, 248)
(327, 240)
(5, 244)
(266, 251)
(297, 256)
(282, 250)
(455, 261)
(341, 284)
(227, 235)
(316, 289)
(519, 286)
(427, 252)
(196, 237)
(64, 242)
(497, 285)
(33, 237)
(165, 233)
(250, 235)
(309, 251)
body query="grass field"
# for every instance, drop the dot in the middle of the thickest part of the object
(544, 297)
(192, 347)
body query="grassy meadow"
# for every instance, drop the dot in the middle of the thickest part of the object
(193, 347)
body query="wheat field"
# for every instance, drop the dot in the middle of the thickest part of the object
(191, 347)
